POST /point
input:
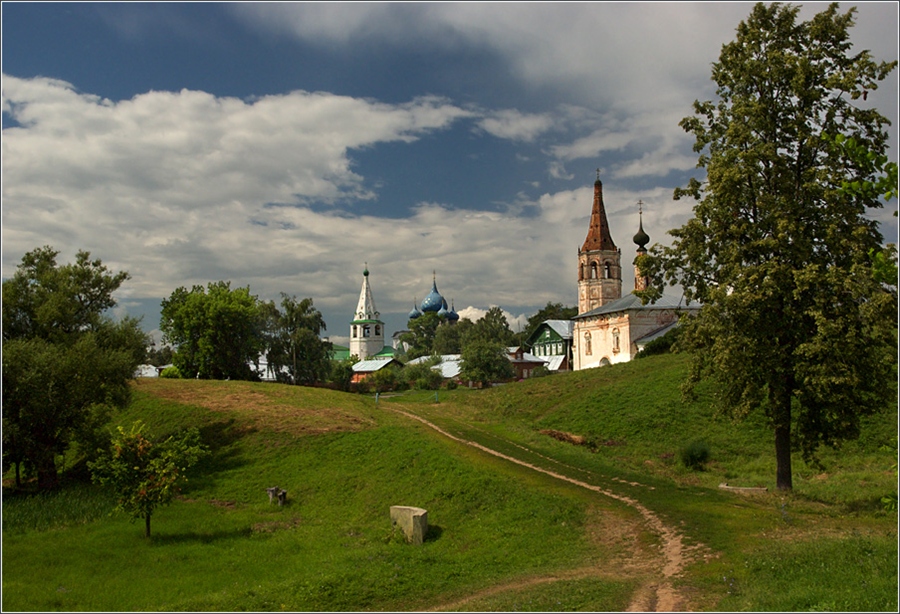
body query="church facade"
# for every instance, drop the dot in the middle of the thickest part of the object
(610, 328)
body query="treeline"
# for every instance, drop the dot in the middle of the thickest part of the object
(67, 365)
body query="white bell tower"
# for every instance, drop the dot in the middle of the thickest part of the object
(366, 329)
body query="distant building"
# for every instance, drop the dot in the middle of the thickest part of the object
(366, 329)
(610, 328)
(365, 368)
(552, 342)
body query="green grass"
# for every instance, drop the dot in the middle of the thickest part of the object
(502, 537)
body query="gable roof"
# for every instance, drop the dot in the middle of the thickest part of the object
(373, 364)
(633, 302)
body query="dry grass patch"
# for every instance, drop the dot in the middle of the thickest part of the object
(272, 407)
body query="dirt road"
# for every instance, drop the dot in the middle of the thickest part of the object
(658, 595)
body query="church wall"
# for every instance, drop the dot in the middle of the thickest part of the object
(612, 336)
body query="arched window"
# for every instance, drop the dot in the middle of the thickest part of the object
(377, 330)
(587, 344)
(353, 331)
(593, 270)
(615, 336)
(606, 271)
(365, 331)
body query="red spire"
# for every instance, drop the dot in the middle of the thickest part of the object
(598, 237)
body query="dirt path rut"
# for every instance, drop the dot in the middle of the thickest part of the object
(658, 596)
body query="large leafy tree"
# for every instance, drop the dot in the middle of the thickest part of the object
(65, 362)
(217, 331)
(793, 320)
(146, 474)
(485, 361)
(493, 327)
(295, 351)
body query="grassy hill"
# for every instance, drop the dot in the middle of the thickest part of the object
(502, 537)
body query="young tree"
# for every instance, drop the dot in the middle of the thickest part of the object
(485, 361)
(64, 361)
(295, 345)
(792, 320)
(143, 474)
(217, 331)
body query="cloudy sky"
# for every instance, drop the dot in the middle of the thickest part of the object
(283, 146)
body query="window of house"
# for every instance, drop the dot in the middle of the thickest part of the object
(615, 337)
(587, 344)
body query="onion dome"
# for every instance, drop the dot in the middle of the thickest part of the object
(443, 311)
(415, 313)
(641, 238)
(452, 315)
(434, 301)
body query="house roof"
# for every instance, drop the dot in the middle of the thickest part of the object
(563, 328)
(633, 302)
(659, 332)
(373, 364)
(449, 367)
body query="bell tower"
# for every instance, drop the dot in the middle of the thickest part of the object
(366, 329)
(599, 260)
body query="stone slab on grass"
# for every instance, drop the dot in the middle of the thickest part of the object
(413, 521)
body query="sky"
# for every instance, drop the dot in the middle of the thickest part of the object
(285, 147)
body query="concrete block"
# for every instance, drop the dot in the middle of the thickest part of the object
(413, 521)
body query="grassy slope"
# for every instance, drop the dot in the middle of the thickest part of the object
(344, 462)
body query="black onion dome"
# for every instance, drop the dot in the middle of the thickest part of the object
(641, 238)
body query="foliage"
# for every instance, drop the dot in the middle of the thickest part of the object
(171, 372)
(661, 345)
(492, 327)
(449, 339)
(485, 361)
(342, 372)
(694, 455)
(217, 331)
(295, 351)
(420, 337)
(64, 362)
(160, 357)
(145, 475)
(383, 380)
(792, 320)
(422, 376)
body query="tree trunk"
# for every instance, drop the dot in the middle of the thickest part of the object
(783, 477)
(18, 475)
(147, 525)
(780, 398)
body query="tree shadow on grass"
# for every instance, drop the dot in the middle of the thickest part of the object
(195, 537)
(222, 440)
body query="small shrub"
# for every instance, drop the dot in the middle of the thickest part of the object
(171, 372)
(451, 384)
(695, 455)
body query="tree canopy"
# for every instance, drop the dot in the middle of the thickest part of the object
(65, 362)
(217, 331)
(295, 351)
(792, 319)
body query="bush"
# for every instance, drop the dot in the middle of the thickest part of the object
(171, 372)
(661, 345)
(695, 455)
